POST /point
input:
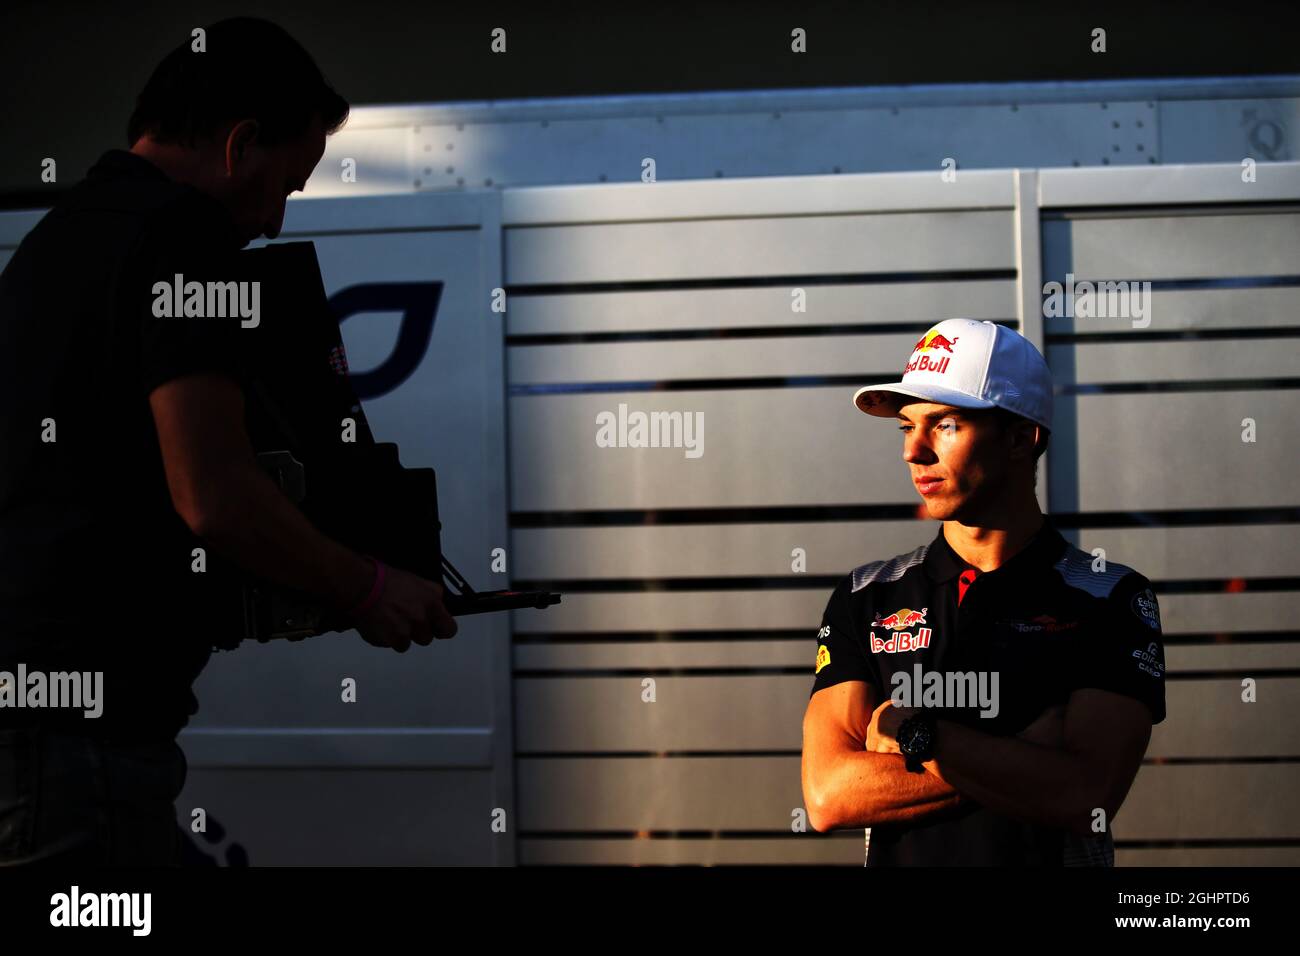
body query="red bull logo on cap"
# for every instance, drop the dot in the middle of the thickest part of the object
(935, 342)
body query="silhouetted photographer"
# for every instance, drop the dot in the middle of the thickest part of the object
(123, 428)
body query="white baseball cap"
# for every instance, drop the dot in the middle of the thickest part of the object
(969, 364)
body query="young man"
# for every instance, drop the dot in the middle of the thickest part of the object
(1032, 671)
(123, 441)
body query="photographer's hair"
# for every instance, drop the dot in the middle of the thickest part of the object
(249, 69)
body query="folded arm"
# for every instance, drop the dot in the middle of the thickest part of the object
(1104, 738)
(846, 786)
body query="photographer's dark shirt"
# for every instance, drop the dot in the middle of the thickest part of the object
(96, 562)
(1051, 620)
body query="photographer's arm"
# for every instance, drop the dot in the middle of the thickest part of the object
(225, 498)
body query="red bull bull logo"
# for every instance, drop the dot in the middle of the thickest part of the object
(901, 619)
(904, 640)
(935, 342)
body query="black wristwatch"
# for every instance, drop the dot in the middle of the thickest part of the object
(916, 737)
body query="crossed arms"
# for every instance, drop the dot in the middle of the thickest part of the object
(1057, 772)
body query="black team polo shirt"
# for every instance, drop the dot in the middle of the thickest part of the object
(1045, 620)
(96, 562)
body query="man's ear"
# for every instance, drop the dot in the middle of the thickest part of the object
(1035, 433)
(240, 139)
(1024, 437)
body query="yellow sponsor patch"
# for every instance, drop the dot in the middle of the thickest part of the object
(823, 658)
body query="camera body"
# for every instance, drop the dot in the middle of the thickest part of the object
(388, 511)
(310, 435)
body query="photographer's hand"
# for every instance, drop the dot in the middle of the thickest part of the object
(408, 609)
(223, 496)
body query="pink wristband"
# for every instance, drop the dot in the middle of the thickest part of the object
(376, 589)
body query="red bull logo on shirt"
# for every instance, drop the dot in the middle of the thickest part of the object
(905, 640)
(935, 342)
(900, 643)
(901, 619)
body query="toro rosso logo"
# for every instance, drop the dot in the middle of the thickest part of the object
(932, 341)
(905, 640)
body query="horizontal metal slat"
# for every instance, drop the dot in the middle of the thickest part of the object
(1247, 659)
(802, 608)
(661, 310)
(1170, 451)
(788, 245)
(1177, 247)
(811, 849)
(1138, 361)
(834, 547)
(621, 794)
(1205, 718)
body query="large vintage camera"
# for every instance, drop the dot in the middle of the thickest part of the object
(357, 492)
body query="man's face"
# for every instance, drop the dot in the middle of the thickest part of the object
(258, 179)
(958, 457)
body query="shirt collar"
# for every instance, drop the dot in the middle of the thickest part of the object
(942, 563)
(121, 163)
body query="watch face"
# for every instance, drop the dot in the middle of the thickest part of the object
(915, 738)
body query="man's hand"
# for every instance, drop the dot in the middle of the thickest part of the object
(882, 731)
(409, 609)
